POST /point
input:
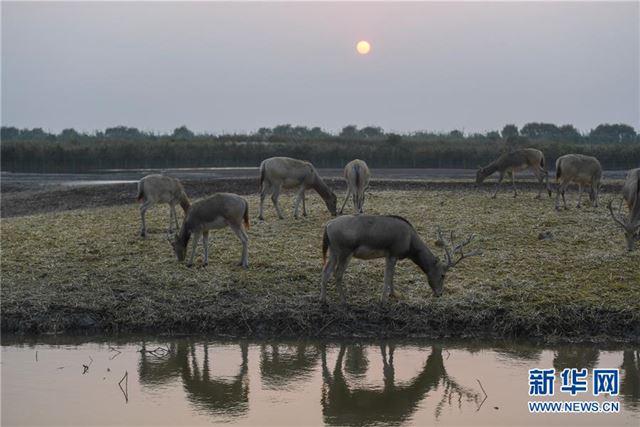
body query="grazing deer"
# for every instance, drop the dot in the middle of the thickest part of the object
(283, 172)
(218, 211)
(631, 195)
(156, 188)
(390, 237)
(581, 169)
(356, 173)
(510, 163)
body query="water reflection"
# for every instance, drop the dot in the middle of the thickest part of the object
(282, 365)
(228, 396)
(343, 383)
(344, 404)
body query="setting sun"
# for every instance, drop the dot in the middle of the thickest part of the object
(363, 47)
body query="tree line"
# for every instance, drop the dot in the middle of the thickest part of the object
(617, 146)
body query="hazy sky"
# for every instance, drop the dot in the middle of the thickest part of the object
(239, 66)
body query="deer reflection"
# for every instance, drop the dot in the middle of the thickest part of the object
(216, 395)
(574, 356)
(394, 403)
(281, 365)
(630, 382)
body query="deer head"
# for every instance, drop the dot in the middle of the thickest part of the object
(631, 229)
(438, 271)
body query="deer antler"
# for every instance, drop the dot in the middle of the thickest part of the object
(451, 250)
(618, 218)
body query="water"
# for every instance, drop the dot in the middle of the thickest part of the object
(192, 381)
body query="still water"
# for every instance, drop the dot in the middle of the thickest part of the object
(195, 381)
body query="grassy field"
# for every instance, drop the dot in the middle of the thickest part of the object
(88, 269)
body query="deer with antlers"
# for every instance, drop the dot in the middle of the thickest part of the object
(512, 162)
(631, 195)
(390, 237)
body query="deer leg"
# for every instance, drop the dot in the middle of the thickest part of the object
(173, 218)
(389, 269)
(205, 245)
(345, 200)
(143, 211)
(296, 204)
(340, 269)
(263, 194)
(194, 245)
(558, 197)
(579, 196)
(361, 202)
(500, 177)
(563, 188)
(274, 199)
(244, 238)
(304, 205)
(513, 183)
(327, 270)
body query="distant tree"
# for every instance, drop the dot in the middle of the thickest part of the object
(123, 133)
(264, 133)
(69, 134)
(569, 133)
(8, 133)
(540, 131)
(350, 131)
(182, 133)
(317, 133)
(608, 133)
(394, 139)
(493, 135)
(510, 130)
(371, 132)
(282, 130)
(456, 134)
(35, 134)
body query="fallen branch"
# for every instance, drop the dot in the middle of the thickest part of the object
(125, 390)
(485, 395)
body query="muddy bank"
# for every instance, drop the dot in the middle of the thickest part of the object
(20, 199)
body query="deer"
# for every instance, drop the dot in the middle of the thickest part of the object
(216, 212)
(581, 169)
(284, 172)
(357, 175)
(155, 188)
(631, 196)
(384, 236)
(513, 161)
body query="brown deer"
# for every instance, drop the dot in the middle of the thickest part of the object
(218, 211)
(357, 175)
(512, 162)
(283, 172)
(390, 237)
(631, 195)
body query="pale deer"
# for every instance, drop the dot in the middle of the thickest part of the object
(512, 162)
(631, 195)
(581, 169)
(156, 188)
(356, 174)
(277, 173)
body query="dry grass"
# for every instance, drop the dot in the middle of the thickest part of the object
(89, 269)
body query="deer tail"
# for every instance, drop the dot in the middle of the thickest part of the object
(140, 195)
(325, 246)
(246, 215)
